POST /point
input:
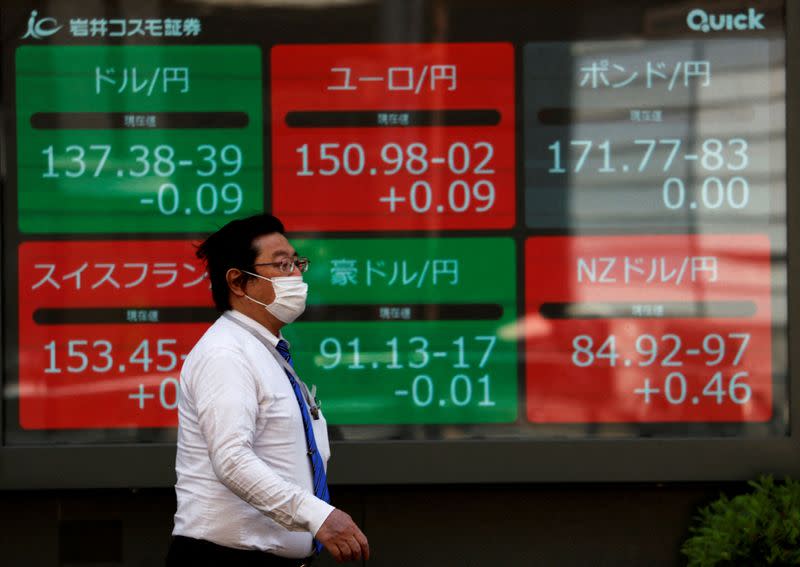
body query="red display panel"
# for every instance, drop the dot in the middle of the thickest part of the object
(393, 136)
(104, 328)
(648, 329)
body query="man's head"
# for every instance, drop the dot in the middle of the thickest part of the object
(244, 258)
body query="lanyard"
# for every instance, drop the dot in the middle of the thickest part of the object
(313, 407)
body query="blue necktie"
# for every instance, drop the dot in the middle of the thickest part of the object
(317, 466)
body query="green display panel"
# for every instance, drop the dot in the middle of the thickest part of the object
(410, 331)
(137, 138)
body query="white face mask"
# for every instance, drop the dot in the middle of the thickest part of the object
(290, 297)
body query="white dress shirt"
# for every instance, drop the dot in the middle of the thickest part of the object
(244, 475)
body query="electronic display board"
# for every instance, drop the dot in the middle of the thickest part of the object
(104, 327)
(404, 327)
(526, 225)
(137, 138)
(420, 134)
(658, 329)
(676, 130)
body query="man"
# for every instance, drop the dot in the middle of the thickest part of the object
(252, 445)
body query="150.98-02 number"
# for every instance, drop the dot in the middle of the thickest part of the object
(460, 159)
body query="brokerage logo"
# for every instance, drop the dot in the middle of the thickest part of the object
(700, 20)
(41, 29)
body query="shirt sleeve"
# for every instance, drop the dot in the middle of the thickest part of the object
(226, 398)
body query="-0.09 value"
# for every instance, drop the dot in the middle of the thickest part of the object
(207, 199)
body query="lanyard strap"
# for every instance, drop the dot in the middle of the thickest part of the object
(309, 396)
(319, 478)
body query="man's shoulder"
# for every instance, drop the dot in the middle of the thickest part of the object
(223, 343)
(220, 337)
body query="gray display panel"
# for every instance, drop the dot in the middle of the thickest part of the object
(635, 135)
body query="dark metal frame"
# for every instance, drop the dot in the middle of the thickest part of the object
(479, 461)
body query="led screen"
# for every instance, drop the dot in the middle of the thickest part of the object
(523, 223)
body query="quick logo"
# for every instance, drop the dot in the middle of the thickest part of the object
(700, 20)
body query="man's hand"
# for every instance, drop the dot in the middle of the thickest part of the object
(340, 535)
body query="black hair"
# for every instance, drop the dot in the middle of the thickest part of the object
(232, 247)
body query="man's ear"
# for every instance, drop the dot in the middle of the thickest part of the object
(236, 281)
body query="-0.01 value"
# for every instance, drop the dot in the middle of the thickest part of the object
(460, 392)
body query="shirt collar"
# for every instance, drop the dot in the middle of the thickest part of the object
(256, 326)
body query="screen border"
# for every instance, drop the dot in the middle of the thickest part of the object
(485, 461)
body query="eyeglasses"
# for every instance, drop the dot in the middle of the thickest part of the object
(287, 265)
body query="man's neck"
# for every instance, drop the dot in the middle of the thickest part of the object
(260, 315)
